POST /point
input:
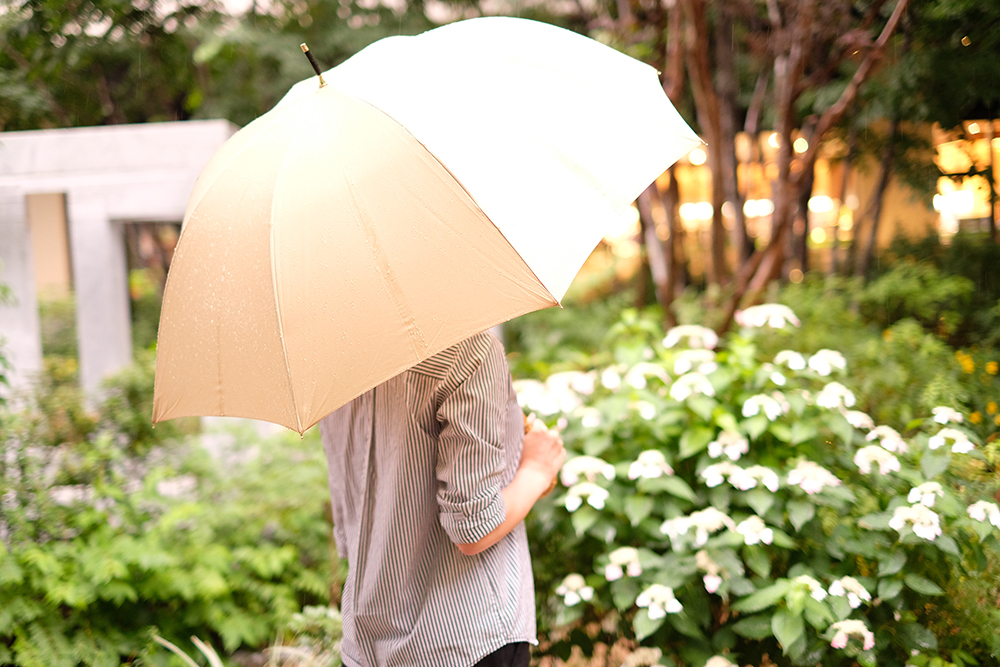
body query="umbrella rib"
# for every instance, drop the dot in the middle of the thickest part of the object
(277, 303)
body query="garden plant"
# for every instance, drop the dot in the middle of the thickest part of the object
(729, 503)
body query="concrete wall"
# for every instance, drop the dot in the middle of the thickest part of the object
(109, 176)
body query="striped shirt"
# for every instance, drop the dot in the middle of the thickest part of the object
(417, 465)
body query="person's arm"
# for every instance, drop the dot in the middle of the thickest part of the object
(541, 459)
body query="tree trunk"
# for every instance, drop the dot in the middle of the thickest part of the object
(802, 240)
(707, 108)
(852, 149)
(727, 91)
(874, 211)
(788, 74)
(659, 264)
(991, 179)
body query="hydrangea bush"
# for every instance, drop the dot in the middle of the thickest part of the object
(745, 511)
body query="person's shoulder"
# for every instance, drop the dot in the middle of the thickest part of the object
(464, 357)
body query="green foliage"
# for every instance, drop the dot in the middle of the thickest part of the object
(740, 511)
(110, 529)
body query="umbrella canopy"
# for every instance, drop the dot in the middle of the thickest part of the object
(438, 185)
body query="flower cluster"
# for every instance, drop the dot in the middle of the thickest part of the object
(573, 589)
(844, 630)
(627, 557)
(984, 509)
(852, 588)
(811, 477)
(659, 600)
(730, 444)
(649, 465)
(703, 522)
(773, 315)
(924, 522)
(743, 479)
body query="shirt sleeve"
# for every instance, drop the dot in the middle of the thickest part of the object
(471, 457)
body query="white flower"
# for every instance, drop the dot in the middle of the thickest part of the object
(691, 383)
(887, 462)
(624, 556)
(824, 361)
(859, 419)
(659, 600)
(815, 588)
(925, 494)
(701, 360)
(791, 358)
(925, 522)
(944, 415)
(588, 467)
(697, 336)
(650, 464)
(960, 442)
(716, 474)
(851, 628)
(755, 531)
(853, 589)
(771, 407)
(574, 589)
(590, 417)
(645, 409)
(771, 314)
(636, 376)
(766, 476)
(730, 444)
(532, 395)
(718, 661)
(594, 494)
(578, 381)
(708, 520)
(834, 396)
(811, 477)
(611, 379)
(982, 509)
(889, 438)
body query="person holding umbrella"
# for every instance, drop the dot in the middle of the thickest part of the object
(339, 255)
(431, 476)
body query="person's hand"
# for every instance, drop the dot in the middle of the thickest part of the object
(543, 453)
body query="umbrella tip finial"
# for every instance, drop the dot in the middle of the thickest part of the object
(312, 61)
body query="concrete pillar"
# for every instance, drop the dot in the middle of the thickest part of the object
(100, 281)
(19, 325)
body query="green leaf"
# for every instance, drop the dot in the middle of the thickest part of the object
(685, 625)
(726, 421)
(757, 560)
(764, 598)
(800, 512)
(948, 545)
(755, 426)
(583, 519)
(889, 588)
(760, 500)
(644, 625)
(624, 592)
(703, 406)
(892, 564)
(818, 614)
(916, 635)
(932, 464)
(840, 606)
(802, 431)
(694, 440)
(787, 627)
(638, 508)
(876, 521)
(753, 627)
(921, 585)
(781, 431)
(675, 486)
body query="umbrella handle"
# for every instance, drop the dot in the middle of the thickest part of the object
(552, 486)
(312, 61)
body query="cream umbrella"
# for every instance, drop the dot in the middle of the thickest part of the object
(432, 187)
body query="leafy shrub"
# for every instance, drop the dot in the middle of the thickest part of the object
(109, 530)
(724, 501)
